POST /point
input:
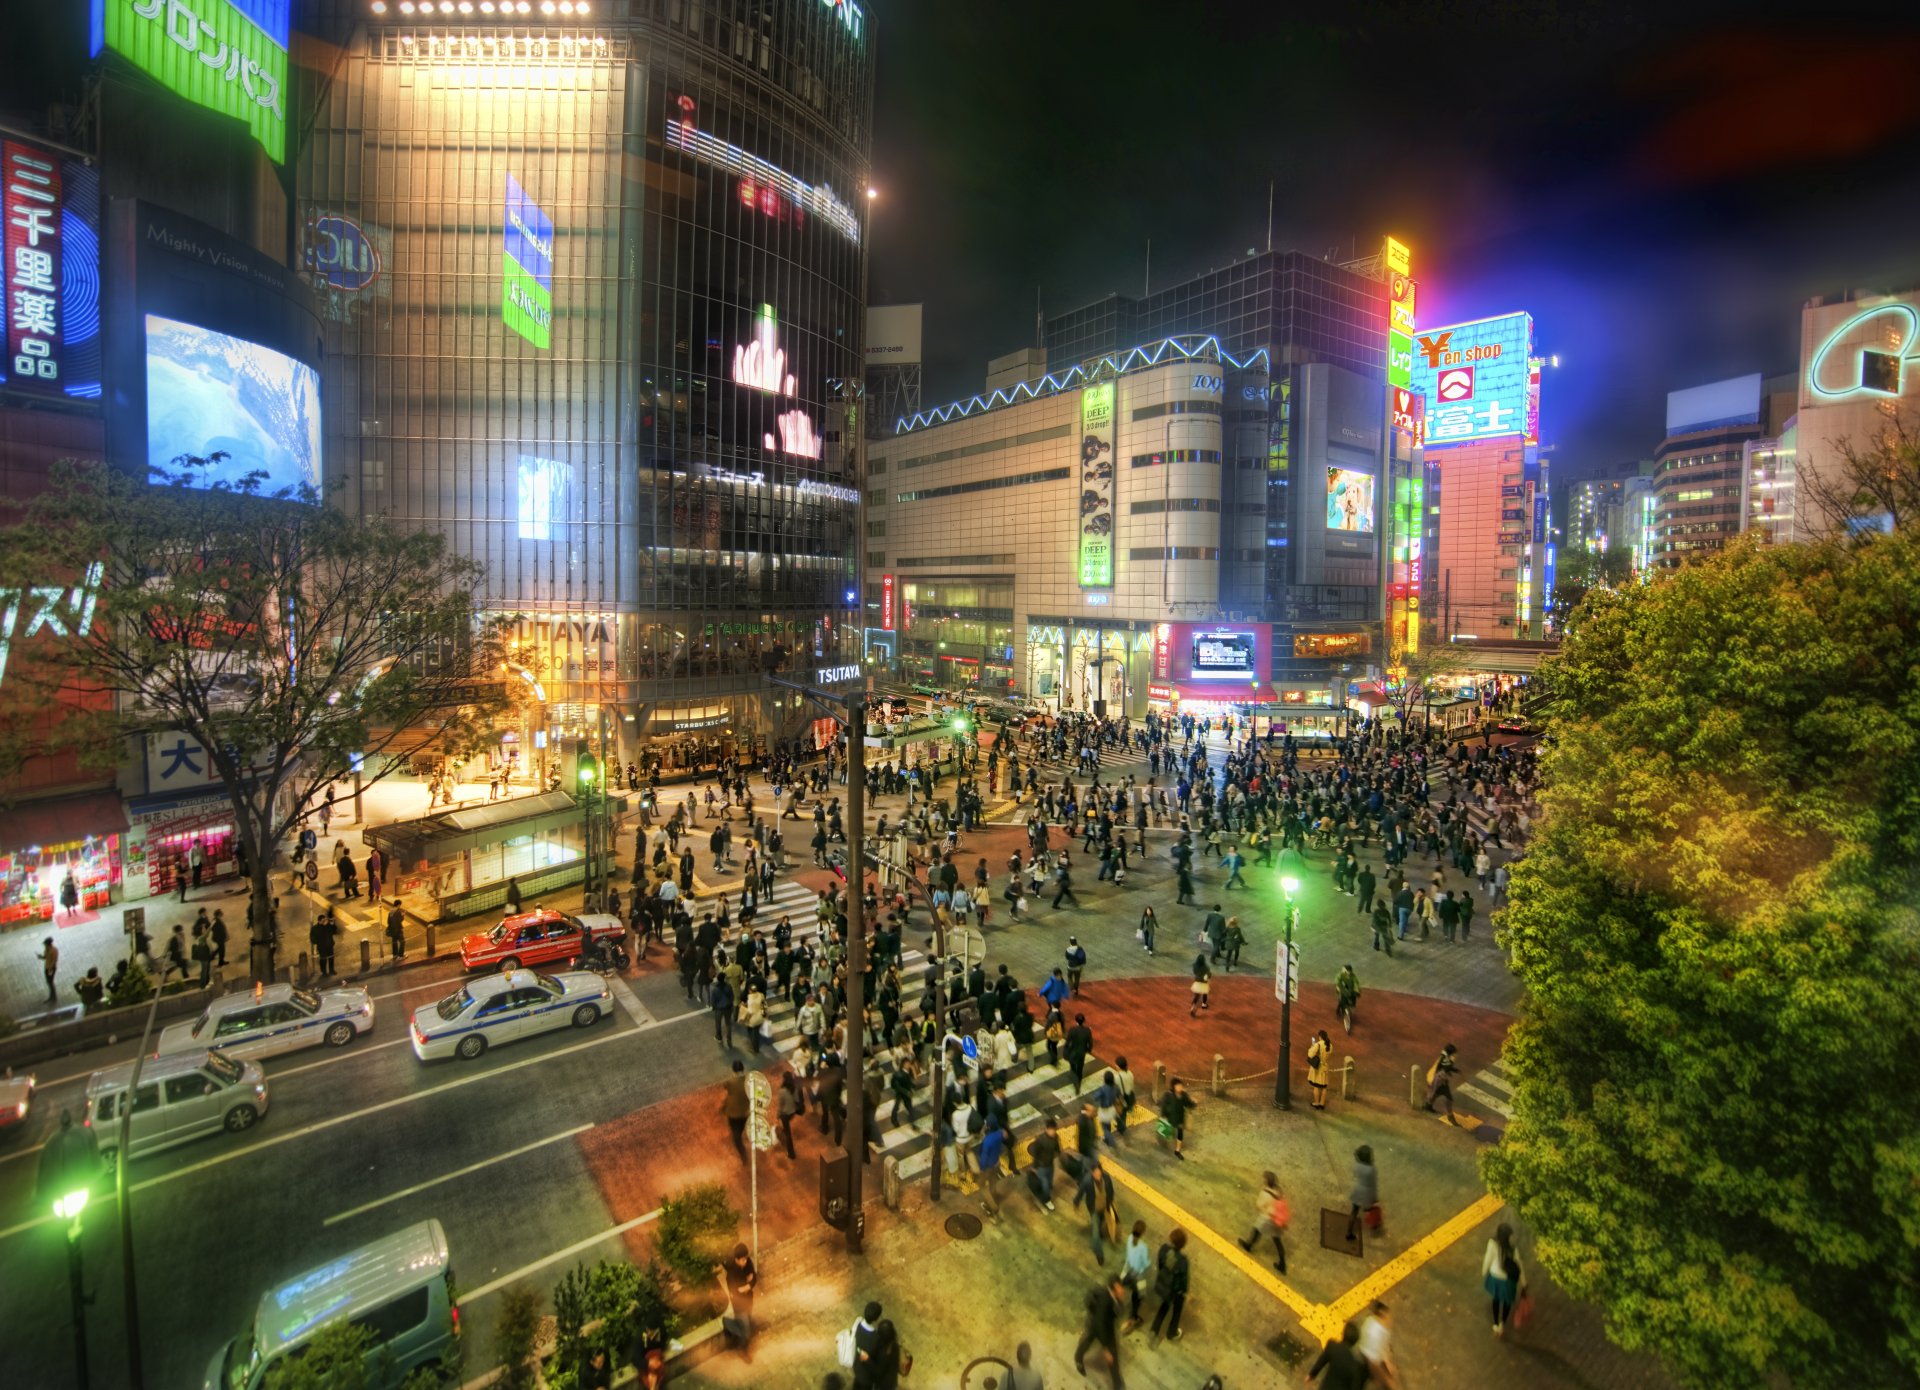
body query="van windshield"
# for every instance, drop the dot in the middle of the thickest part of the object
(222, 1068)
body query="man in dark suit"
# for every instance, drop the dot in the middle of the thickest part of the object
(1103, 1326)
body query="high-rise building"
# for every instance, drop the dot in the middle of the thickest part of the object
(1591, 514)
(593, 289)
(1859, 368)
(1492, 555)
(1254, 403)
(1700, 467)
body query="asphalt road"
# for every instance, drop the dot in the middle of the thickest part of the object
(356, 1143)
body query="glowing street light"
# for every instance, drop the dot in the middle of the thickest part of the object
(69, 1166)
(1286, 981)
(872, 192)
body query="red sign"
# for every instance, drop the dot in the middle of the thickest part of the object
(1162, 692)
(32, 277)
(1162, 648)
(886, 603)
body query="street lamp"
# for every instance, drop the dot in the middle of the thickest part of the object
(588, 771)
(69, 1167)
(1286, 975)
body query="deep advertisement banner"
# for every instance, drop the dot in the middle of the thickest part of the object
(526, 281)
(227, 57)
(1476, 378)
(50, 309)
(1096, 486)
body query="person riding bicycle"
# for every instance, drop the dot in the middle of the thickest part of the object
(1347, 984)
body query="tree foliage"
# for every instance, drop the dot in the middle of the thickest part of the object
(286, 638)
(334, 1358)
(1582, 572)
(1714, 1134)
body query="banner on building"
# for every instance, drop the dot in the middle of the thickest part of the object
(1096, 486)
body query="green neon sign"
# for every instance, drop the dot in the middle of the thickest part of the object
(207, 52)
(526, 305)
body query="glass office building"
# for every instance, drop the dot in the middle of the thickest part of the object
(594, 287)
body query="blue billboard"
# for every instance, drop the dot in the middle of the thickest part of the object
(1474, 376)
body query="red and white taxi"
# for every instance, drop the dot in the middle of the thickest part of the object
(539, 937)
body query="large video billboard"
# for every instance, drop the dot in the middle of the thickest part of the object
(229, 56)
(526, 281)
(1349, 500)
(1475, 378)
(50, 282)
(210, 392)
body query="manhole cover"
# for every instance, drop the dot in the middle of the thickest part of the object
(963, 1225)
(1289, 1348)
(1334, 1235)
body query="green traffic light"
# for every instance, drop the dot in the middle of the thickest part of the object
(589, 769)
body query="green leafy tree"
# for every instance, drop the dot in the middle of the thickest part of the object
(1580, 573)
(1714, 1135)
(696, 1233)
(292, 642)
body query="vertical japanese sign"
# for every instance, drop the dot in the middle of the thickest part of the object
(33, 202)
(526, 280)
(1400, 305)
(1096, 486)
(886, 603)
(229, 56)
(1162, 648)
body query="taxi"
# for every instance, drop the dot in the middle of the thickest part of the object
(16, 1099)
(271, 1019)
(539, 937)
(501, 1008)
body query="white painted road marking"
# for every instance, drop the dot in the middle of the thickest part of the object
(626, 999)
(456, 1173)
(495, 1285)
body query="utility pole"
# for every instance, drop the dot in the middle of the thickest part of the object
(1287, 977)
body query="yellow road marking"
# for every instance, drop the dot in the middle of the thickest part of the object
(1358, 1298)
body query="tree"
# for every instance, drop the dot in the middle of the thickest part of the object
(334, 1358)
(1418, 670)
(1714, 1136)
(1872, 484)
(292, 643)
(1580, 572)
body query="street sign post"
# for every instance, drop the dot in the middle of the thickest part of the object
(1286, 972)
(760, 1138)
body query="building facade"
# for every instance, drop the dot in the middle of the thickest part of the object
(1073, 544)
(1701, 487)
(594, 293)
(1859, 371)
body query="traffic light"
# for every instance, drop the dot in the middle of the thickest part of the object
(69, 1167)
(589, 771)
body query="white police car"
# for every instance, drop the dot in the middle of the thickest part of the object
(271, 1019)
(500, 1008)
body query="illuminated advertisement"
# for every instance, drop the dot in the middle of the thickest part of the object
(1475, 378)
(210, 392)
(526, 280)
(1865, 354)
(1223, 656)
(761, 365)
(1349, 500)
(1096, 486)
(543, 485)
(1400, 311)
(229, 56)
(886, 603)
(50, 308)
(1162, 648)
(1533, 400)
(763, 178)
(345, 261)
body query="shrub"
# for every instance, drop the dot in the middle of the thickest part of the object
(513, 1337)
(697, 1231)
(135, 987)
(604, 1309)
(334, 1359)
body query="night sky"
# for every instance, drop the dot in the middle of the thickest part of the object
(1660, 185)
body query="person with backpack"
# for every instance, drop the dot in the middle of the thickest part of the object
(1171, 1274)
(1076, 962)
(1270, 1217)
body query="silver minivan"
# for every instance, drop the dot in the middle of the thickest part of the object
(180, 1098)
(400, 1288)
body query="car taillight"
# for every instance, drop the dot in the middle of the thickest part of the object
(21, 1110)
(418, 1035)
(454, 1308)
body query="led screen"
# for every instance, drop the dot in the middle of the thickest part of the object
(543, 496)
(1349, 500)
(1222, 656)
(209, 392)
(1475, 378)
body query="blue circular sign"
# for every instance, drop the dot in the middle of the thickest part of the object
(342, 253)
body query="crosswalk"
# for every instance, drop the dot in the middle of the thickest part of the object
(1035, 1091)
(1490, 1088)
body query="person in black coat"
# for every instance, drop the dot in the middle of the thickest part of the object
(1103, 1326)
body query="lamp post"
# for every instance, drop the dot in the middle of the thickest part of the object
(588, 772)
(69, 1167)
(1287, 975)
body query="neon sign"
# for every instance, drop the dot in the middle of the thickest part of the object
(1400, 304)
(1878, 369)
(62, 612)
(1475, 379)
(526, 281)
(886, 603)
(817, 199)
(852, 18)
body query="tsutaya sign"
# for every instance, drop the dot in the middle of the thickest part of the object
(229, 56)
(61, 612)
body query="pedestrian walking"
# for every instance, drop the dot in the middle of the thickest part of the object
(1076, 963)
(1042, 1155)
(1102, 1326)
(720, 1001)
(736, 1107)
(397, 932)
(741, 1281)
(1231, 940)
(177, 953)
(203, 953)
(69, 894)
(1341, 1360)
(1149, 927)
(1201, 989)
(1171, 1273)
(320, 936)
(1440, 1082)
(1270, 1217)
(1319, 1050)
(1096, 1195)
(218, 934)
(1175, 1106)
(50, 966)
(1364, 1195)
(1501, 1277)
(1347, 986)
(1078, 1045)
(1376, 1347)
(513, 897)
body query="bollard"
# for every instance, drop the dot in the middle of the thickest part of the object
(303, 967)
(1219, 1075)
(891, 1187)
(431, 934)
(366, 955)
(1413, 1084)
(1159, 1079)
(1346, 1080)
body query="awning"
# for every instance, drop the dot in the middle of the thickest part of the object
(62, 820)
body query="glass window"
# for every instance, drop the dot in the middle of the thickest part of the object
(189, 1087)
